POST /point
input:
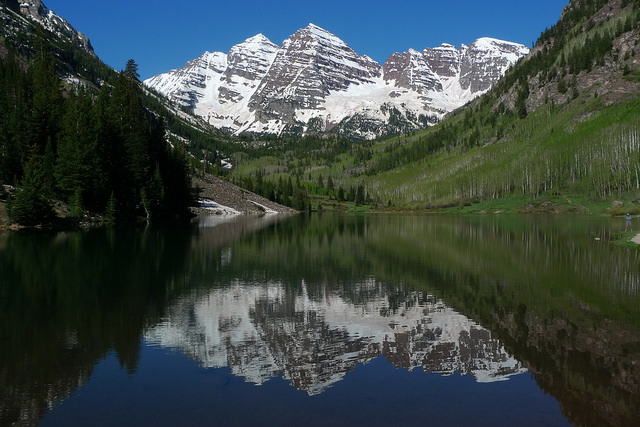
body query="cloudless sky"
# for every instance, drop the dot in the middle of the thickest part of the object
(164, 34)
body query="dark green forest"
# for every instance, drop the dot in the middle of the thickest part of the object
(102, 153)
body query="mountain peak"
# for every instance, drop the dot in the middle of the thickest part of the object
(37, 11)
(319, 34)
(492, 44)
(314, 27)
(258, 39)
(315, 82)
(493, 41)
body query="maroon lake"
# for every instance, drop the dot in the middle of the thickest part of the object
(323, 320)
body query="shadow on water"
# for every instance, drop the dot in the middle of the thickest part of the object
(560, 298)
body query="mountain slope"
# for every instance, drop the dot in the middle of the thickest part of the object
(558, 132)
(36, 11)
(77, 131)
(315, 83)
(562, 124)
(26, 24)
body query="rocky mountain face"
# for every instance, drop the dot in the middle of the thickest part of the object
(315, 83)
(35, 10)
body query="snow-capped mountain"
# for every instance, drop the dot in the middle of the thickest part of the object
(314, 338)
(314, 82)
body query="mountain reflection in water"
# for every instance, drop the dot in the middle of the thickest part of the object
(323, 301)
(264, 330)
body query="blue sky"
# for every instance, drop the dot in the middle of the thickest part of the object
(161, 34)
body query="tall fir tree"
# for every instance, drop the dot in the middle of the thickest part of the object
(47, 100)
(15, 108)
(78, 168)
(29, 206)
(131, 153)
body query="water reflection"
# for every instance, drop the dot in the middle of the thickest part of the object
(68, 299)
(309, 298)
(265, 330)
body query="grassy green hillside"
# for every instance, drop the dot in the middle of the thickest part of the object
(563, 125)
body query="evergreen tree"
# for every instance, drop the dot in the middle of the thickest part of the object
(131, 150)
(109, 149)
(28, 206)
(48, 166)
(15, 108)
(75, 205)
(108, 152)
(360, 196)
(47, 100)
(78, 168)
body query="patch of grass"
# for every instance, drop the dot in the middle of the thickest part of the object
(623, 210)
(507, 205)
(623, 238)
(633, 76)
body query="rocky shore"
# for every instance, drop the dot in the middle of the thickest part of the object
(218, 196)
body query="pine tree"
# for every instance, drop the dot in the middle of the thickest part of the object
(28, 206)
(47, 100)
(360, 197)
(131, 149)
(75, 205)
(109, 149)
(15, 108)
(78, 166)
(48, 166)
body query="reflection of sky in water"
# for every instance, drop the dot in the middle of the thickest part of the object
(170, 389)
(262, 331)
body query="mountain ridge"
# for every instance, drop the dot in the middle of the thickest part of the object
(315, 83)
(36, 11)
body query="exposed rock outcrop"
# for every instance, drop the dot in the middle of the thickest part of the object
(314, 82)
(233, 197)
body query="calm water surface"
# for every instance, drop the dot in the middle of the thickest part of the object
(323, 320)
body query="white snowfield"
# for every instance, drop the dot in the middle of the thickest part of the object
(217, 208)
(261, 87)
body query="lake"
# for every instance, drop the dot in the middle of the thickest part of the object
(323, 320)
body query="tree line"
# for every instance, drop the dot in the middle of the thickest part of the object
(101, 152)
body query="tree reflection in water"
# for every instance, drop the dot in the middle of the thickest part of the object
(308, 298)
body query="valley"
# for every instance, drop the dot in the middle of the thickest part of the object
(488, 127)
(315, 235)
